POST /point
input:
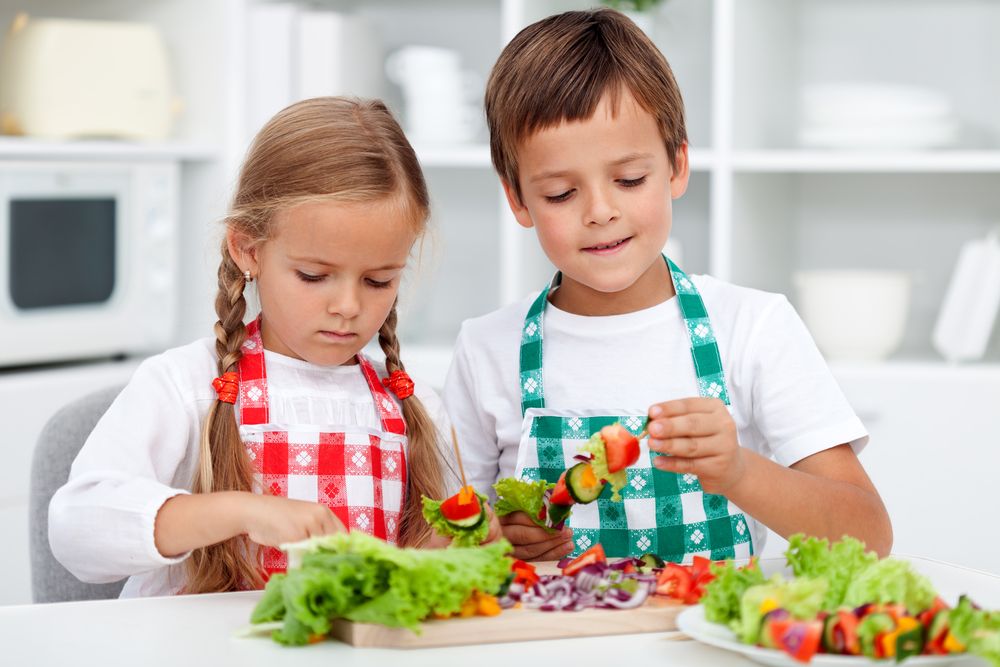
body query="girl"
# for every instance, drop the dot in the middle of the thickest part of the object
(297, 434)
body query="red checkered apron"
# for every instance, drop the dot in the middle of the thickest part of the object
(358, 472)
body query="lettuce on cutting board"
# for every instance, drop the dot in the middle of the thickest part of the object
(363, 579)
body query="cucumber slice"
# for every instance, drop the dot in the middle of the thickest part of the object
(650, 561)
(468, 522)
(583, 484)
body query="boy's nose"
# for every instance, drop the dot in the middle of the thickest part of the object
(601, 209)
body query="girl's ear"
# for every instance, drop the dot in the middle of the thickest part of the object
(519, 210)
(681, 173)
(242, 250)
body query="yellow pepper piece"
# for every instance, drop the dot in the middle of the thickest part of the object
(952, 645)
(769, 604)
(465, 495)
(488, 605)
(588, 477)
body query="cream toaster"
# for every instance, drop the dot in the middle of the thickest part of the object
(70, 78)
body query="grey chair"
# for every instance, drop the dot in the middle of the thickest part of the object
(58, 443)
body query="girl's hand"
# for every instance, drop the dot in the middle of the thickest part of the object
(699, 434)
(496, 532)
(274, 520)
(532, 542)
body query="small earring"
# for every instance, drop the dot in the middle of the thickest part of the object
(247, 277)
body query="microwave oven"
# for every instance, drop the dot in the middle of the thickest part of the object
(88, 259)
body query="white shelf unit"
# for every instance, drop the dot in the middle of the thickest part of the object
(758, 207)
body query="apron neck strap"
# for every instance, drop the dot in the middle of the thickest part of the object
(704, 349)
(253, 398)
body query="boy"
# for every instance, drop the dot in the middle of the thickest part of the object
(587, 134)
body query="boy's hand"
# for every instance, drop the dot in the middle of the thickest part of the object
(532, 542)
(275, 520)
(700, 436)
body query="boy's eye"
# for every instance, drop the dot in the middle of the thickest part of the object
(632, 182)
(378, 284)
(308, 277)
(555, 199)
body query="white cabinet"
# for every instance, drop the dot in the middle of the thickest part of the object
(759, 206)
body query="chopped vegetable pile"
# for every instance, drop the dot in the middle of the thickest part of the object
(361, 578)
(586, 581)
(844, 600)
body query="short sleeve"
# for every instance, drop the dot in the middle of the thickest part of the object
(797, 405)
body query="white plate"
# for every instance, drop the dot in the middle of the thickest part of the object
(692, 623)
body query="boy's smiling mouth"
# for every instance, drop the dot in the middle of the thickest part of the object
(609, 247)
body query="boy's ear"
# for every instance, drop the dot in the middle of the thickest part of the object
(242, 250)
(519, 210)
(680, 174)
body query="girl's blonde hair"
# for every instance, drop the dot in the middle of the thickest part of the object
(322, 149)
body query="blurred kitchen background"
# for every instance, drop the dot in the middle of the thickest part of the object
(844, 152)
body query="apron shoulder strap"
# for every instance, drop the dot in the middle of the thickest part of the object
(388, 411)
(253, 397)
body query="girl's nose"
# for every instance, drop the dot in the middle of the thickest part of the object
(601, 208)
(345, 301)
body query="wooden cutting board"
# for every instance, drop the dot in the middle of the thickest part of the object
(656, 615)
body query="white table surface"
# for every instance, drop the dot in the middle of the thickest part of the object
(185, 631)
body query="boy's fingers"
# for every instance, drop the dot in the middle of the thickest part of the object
(548, 550)
(684, 406)
(529, 535)
(687, 447)
(678, 464)
(696, 425)
(517, 519)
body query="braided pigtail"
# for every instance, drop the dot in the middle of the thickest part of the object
(223, 463)
(424, 460)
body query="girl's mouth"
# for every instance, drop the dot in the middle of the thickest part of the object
(608, 248)
(339, 335)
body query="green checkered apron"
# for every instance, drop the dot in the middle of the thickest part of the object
(660, 512)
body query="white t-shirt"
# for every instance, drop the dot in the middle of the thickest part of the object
(785, 402)
(144, 450)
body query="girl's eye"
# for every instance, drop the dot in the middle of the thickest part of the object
(378, 284)
(308, 278)
(632, 182)
(555, 199)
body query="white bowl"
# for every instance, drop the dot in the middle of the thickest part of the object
(855, 315)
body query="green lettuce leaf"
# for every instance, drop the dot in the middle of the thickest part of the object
(599, 463)
(839, 564)
(361, 578)
(460, 537)
(977, 629)
(516, 495)
(890, 580)
(723, 594)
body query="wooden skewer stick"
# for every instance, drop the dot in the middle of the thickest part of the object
(458, 456)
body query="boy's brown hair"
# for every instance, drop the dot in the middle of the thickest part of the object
(559, 68)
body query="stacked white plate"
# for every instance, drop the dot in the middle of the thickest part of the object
(880, 116)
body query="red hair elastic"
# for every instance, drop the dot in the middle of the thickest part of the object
(400, 384)
(227, 387)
